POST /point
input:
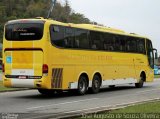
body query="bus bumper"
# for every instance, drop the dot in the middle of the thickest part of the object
(26, 83)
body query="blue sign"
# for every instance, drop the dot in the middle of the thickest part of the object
(156, 70)
(9, 59)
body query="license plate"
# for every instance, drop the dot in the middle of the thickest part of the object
(22, 77)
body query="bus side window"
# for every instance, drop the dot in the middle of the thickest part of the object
(81, 39)
(122, 43)
(141, 45)
(57, 35)
(131, 44)
(56, 29)
(94, 46)
(76, 43)
(69, 37)
(97, 40)
(118, 44)
(108, 42)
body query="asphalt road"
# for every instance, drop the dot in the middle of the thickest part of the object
(30, 101)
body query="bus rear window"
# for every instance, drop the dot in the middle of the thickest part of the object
(24, 31)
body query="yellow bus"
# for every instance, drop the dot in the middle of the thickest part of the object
(53, 56)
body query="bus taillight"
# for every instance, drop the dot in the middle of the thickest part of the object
(45, 69)
(3, 69)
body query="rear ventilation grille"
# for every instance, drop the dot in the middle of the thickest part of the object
(57, 76)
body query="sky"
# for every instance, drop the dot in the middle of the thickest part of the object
(134, 16)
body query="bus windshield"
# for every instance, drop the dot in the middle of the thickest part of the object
(24, 31)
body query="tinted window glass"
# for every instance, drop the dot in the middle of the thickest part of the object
(117, 44)
(109, 42)
(69, 37)
(150, 53)
(24, 31)
(122, 43)
(81, 39)
(141, 45)
(97, 40)
(57, 35)
(131, 44)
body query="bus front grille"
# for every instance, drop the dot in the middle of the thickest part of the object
(57, 75)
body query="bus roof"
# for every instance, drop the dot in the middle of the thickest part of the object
(84, 26)
(95, 28)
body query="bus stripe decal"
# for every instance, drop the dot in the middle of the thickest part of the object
(57, 77)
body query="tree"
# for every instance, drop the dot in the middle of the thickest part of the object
(17, 9)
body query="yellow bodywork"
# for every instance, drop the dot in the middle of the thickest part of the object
(71, 63)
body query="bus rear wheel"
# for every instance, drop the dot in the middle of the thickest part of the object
(96, 84)
(82, 85)
(141, 82)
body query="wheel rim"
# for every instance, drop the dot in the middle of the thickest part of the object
(96, 84)
(82, 86)
(141, 79)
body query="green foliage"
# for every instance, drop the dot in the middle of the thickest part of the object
(151, 107)
(148, 110)
(18, 9)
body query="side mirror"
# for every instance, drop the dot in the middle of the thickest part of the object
(156, 54)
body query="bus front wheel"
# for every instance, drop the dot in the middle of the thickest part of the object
(141, 82)
(82, 85)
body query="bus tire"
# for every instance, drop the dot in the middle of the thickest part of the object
(82, 85)
(96, 84)
(141, 82)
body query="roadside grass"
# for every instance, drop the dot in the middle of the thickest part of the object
(137, 111)
(151, 107)
(2, 88)
(156, 76)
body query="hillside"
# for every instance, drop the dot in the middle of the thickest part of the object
(15, 9)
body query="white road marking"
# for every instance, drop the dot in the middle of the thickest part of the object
(31, 108)
(43, 106)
